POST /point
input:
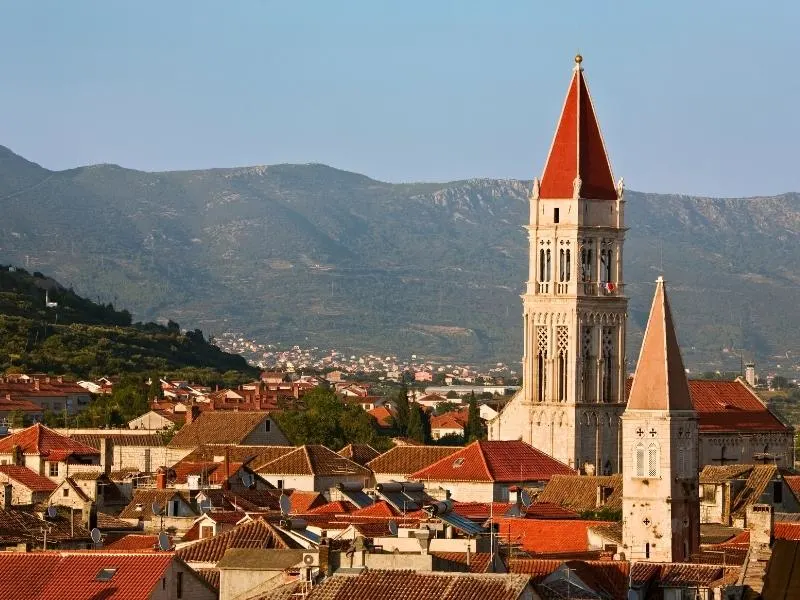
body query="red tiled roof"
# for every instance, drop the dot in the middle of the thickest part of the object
(335, 508)
(382, 415)
(609, 577)
(404, 460)
(476, 562)
(303, 502)
(498, 461)
(411, 585)
(578, 150)
(728, 406)
(254, 534)
(218, 427)
(313, 459)
(547, 536)
(360, 453)
(73, 576)
(31, 480)
(379, 509)
(134, 541)
(41, 440)
(793, 481)
(787, 531)
(451, 420)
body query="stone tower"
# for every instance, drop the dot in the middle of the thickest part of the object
(660, 503)
(574, 307)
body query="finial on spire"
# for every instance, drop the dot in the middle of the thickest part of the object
(578, 59)
(660, 279)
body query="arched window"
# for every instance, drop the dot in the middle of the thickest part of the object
(547, 264)
(541, 265)
(639, 459)
(541, 362)
(608, 364)
(652, 460)
(605, 265)
(562, 344)
(569, 265)
(587, 262)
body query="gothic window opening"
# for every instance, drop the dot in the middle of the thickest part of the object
(608, 364)
(547, 264)
(588, 367)
(541, 265)
(639, 459)
(587, 270)
(652, 460)
(562, 268)
(562, 341)
(541, 363)
(605, 265)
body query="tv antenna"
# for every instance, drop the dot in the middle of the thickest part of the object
(96, 536)
(285, 504)
(163, 541)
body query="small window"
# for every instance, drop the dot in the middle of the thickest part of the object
(640, 460)
(280, 484)
(53, 469)
(65, 492)
(777, 492)
(267, 425)
(647, 550)
(458, 462)
(555, 215)
(105, 574)
(652, 461)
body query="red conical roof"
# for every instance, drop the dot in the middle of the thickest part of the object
(660, 382)
(578, 149)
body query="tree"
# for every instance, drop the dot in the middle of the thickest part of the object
(415, 429)
(16, 419)
(474, 428)
(445, 407)
(451, 439)
(403, 415)
(452, 394)
(155, 392)
(779, 382)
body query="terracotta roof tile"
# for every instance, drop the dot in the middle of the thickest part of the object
(26, 477)
(475, 562)
(253, 456)
(73, 576)
(379, 509)
(404, 460)
(218, 427)
(145, 498)
(134, 541)
(332, 508)
(254, 534)
(718, 474)
(382, 415)
(359, 453)
(410, 585)
(119, 439)
(580, 492)
(547, 536)
(609, 578)
(313, 459)
(210, 576)
(302, 502)
(498, 461)
(578, 150)
(41, 440)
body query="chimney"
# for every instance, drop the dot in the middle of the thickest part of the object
(761, 523)
(16, 455)
(106, 454)
(161, 478)
(750, 374)
(192, 414)
(88, 515)
(8, 493)
(424, 538)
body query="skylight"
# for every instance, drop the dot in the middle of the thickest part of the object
(105, 574)
(458, 462)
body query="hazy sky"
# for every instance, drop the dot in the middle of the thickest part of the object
(693, 97)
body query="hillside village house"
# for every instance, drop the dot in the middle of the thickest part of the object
(313, 468)
(23, 486)
(140, 450)
(157, 420)
(48, 453)
(54, 394)
(397, 463)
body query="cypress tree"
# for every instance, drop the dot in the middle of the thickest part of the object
(402, 410)
(474, 429)
(415, 430)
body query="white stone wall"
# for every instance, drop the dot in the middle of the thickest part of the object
(191, 585)
(261, 437)
(740, 447)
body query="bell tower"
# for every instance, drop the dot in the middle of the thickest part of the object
(574, 307)
(660, 481)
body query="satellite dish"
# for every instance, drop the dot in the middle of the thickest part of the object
(156, 508)
(393, 527)
(96, 536)
(285, 504)
(525, 497)
(163, 541)
(52, 512)
(205, 505)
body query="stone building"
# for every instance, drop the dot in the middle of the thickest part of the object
(574, 308)
(660, 486)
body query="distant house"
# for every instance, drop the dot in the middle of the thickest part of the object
(359, 453)
(26, 486)
(158, 420)
(434, 400)
(451, 423)
(48, 453)
(247, 428)
(143, 451)
(384, 416)
(313, 468)
(423, 376)
(485, 470)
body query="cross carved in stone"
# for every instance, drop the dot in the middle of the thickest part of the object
(646, 521)
(653, 432)
(640, 432)
(722, 460)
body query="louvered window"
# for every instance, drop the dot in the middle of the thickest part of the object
(640, 460)
(652, 461)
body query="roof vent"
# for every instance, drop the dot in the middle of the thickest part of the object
(105, 574)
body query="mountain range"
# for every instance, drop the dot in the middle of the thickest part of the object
(316, 256)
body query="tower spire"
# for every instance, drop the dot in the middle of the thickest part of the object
(660, 381)
(578, 161)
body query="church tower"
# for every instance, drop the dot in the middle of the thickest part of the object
(574, 307)
(660, 502)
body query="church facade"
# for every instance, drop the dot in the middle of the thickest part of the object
(575, 386)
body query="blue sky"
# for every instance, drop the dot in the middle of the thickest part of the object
(693, 97)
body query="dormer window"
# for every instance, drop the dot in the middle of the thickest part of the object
(458, 462)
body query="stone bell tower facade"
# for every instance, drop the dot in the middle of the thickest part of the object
(574, 307)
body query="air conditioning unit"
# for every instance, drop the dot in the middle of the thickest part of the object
(310, 559)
